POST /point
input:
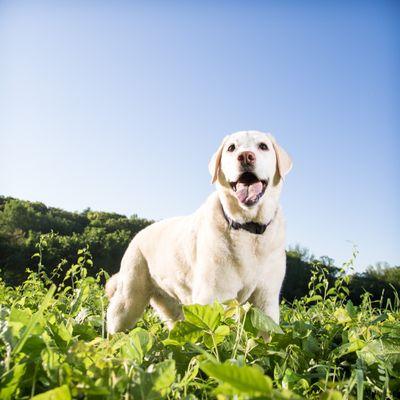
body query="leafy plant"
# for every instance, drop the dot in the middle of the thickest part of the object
(53, 344)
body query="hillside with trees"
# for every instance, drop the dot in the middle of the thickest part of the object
(23, 223)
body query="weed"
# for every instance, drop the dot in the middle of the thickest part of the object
(53, 345)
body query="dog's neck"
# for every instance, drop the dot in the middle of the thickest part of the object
(261, 213)
(252, 227)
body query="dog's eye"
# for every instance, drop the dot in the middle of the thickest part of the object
(263, 146)
(231, 148)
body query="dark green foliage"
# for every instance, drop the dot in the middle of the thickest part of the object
(22, 223)
(382, 284)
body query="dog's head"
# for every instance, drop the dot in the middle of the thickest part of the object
(247, 163)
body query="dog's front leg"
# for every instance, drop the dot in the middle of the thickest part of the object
(203, 286)
(203, 295)
(266, 294)
(214, 283)
(267, 301)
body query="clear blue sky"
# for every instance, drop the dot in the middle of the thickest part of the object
(118, 107)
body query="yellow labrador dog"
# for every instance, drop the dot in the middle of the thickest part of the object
(232, 247)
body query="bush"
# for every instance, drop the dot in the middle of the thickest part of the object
(53, 344)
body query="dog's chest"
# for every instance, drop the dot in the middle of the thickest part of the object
(249, 249)
(248, 254)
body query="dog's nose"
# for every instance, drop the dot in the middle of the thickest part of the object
(247, 157)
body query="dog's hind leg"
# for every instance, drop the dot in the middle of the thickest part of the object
(168, 309)
(111, 286)
(132, 293)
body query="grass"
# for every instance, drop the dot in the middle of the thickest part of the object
(53, 345)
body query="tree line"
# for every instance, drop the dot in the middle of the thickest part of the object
(22, 223)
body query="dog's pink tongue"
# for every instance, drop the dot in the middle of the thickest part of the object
(248, 193)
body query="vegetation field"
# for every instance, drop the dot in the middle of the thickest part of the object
(53, 344)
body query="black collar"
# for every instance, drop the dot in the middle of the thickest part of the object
(252, 227)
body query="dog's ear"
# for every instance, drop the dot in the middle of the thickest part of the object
(283, 161)
(215, 163)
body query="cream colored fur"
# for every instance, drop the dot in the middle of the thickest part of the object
(198, 258)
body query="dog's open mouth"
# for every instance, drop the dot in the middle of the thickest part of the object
(248, 188)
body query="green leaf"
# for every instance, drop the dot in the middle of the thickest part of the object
(351, 309)
(139, 342)
(331, 395)
(220, 333)
(164, 376)
(342, 315)
(290, 379)
(191, 372)
(184, 332)
(10, 381)
(263, 322)
(347, 348)
(206, 317)
(331, 291)
(18, 315)
(311, 346)
(217, 336)
(60, 393)
(244, 379)
(34, 320)
(34, 346)
(316, 297)
(360, 384)
(388, 352)
(155, 383)
(378, 319)
(81, 296)
(61, 334)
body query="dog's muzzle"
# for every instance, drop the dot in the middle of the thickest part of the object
(248, 188)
